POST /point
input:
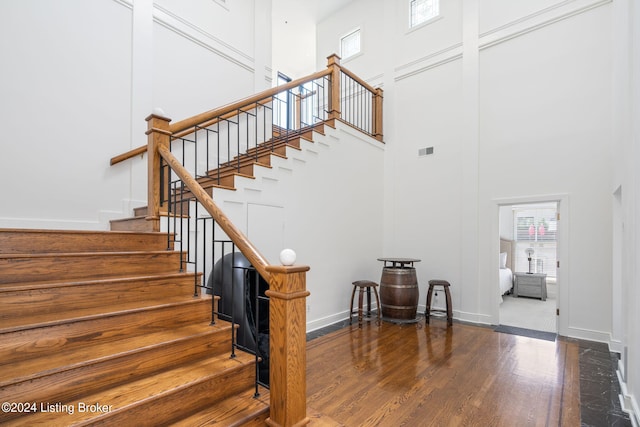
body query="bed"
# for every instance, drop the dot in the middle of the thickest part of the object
(506, 267)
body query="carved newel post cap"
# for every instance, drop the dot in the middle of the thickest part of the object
(287, 257)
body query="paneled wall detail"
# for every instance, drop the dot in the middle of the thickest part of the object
(535, 21)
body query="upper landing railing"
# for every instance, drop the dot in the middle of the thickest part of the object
(184, 154)
(334, 93)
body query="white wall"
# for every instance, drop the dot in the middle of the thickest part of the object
(549, 111)
(79, 78)
(294, 39)
(326, 203)
(534, 83)
(65, 85)
(626, 195)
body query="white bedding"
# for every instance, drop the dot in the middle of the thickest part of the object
(506, 280)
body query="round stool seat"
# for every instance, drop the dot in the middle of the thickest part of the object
(445, 285)
(361, 286)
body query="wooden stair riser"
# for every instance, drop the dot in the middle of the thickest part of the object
(264, 159)
(119, 326)
(83, 266)
(244, 409)
(91, 376)
(160, 402)
(47, 241)
(22, 301)
(168, 407)
(276, 144)
(225, 180)
(138, 224)
(183, 210)
(279, 149)
(77, 333)
(225, 171)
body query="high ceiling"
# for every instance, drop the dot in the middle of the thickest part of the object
(316, 10)
(324, 8)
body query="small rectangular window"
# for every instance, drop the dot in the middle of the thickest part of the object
(350, 44)
(423, 10)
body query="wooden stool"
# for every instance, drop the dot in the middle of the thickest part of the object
(361, 286)
(445, 285)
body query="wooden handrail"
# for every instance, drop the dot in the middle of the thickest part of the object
(208, 118)
(358, 79)
(287, 314)
(129, 154)
(211, 114)
(256, 259)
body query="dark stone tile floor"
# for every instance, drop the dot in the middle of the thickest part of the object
(599, 388)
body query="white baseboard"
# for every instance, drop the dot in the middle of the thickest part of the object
(588, 334)
(628, 402)
(314, 325)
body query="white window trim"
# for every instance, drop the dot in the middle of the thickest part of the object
(429, 21)
(424, 24)
(348, 33)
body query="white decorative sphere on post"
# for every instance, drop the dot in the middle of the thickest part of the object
(287, 257)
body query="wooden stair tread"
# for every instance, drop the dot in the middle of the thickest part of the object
(16, 241)
(212, 179)
(80, 254)
(83, 314)
(29, 369)
(18, 268)
(62, 283)
(140, 392)
(233, 411)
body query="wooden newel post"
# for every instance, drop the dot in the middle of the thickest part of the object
(333, 63)
(377, 114)
(287, 348)
(158, 134)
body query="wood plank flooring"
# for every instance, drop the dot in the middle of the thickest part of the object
(417, 375)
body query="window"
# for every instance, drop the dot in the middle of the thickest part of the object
(350, 44)
(535, 226)
(421, 11)
(282, 108)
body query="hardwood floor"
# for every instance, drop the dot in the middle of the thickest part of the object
(417, 375)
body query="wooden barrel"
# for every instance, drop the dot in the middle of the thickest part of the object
(399, 293)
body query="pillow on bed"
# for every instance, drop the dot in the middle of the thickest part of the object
(503, 260)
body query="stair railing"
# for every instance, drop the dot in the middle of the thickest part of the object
(275, 116)
(287, 289)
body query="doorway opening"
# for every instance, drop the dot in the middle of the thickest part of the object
(529, 254)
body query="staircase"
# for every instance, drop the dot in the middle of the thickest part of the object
(243, 165)
(102, 328)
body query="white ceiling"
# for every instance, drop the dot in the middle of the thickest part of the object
(317, 10)
(324, 8)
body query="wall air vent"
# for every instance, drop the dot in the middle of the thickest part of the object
(425, 151)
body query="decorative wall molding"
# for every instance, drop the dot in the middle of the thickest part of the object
(193, 33)
(537, 20)
(197, 35)
(509, 31)
(433, 60)
(126, 3)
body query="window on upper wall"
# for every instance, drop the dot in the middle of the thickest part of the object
(350, 44)
(421, 11)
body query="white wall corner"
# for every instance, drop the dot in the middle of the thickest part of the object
(628, 402)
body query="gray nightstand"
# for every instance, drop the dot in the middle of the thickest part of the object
(530, 285)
